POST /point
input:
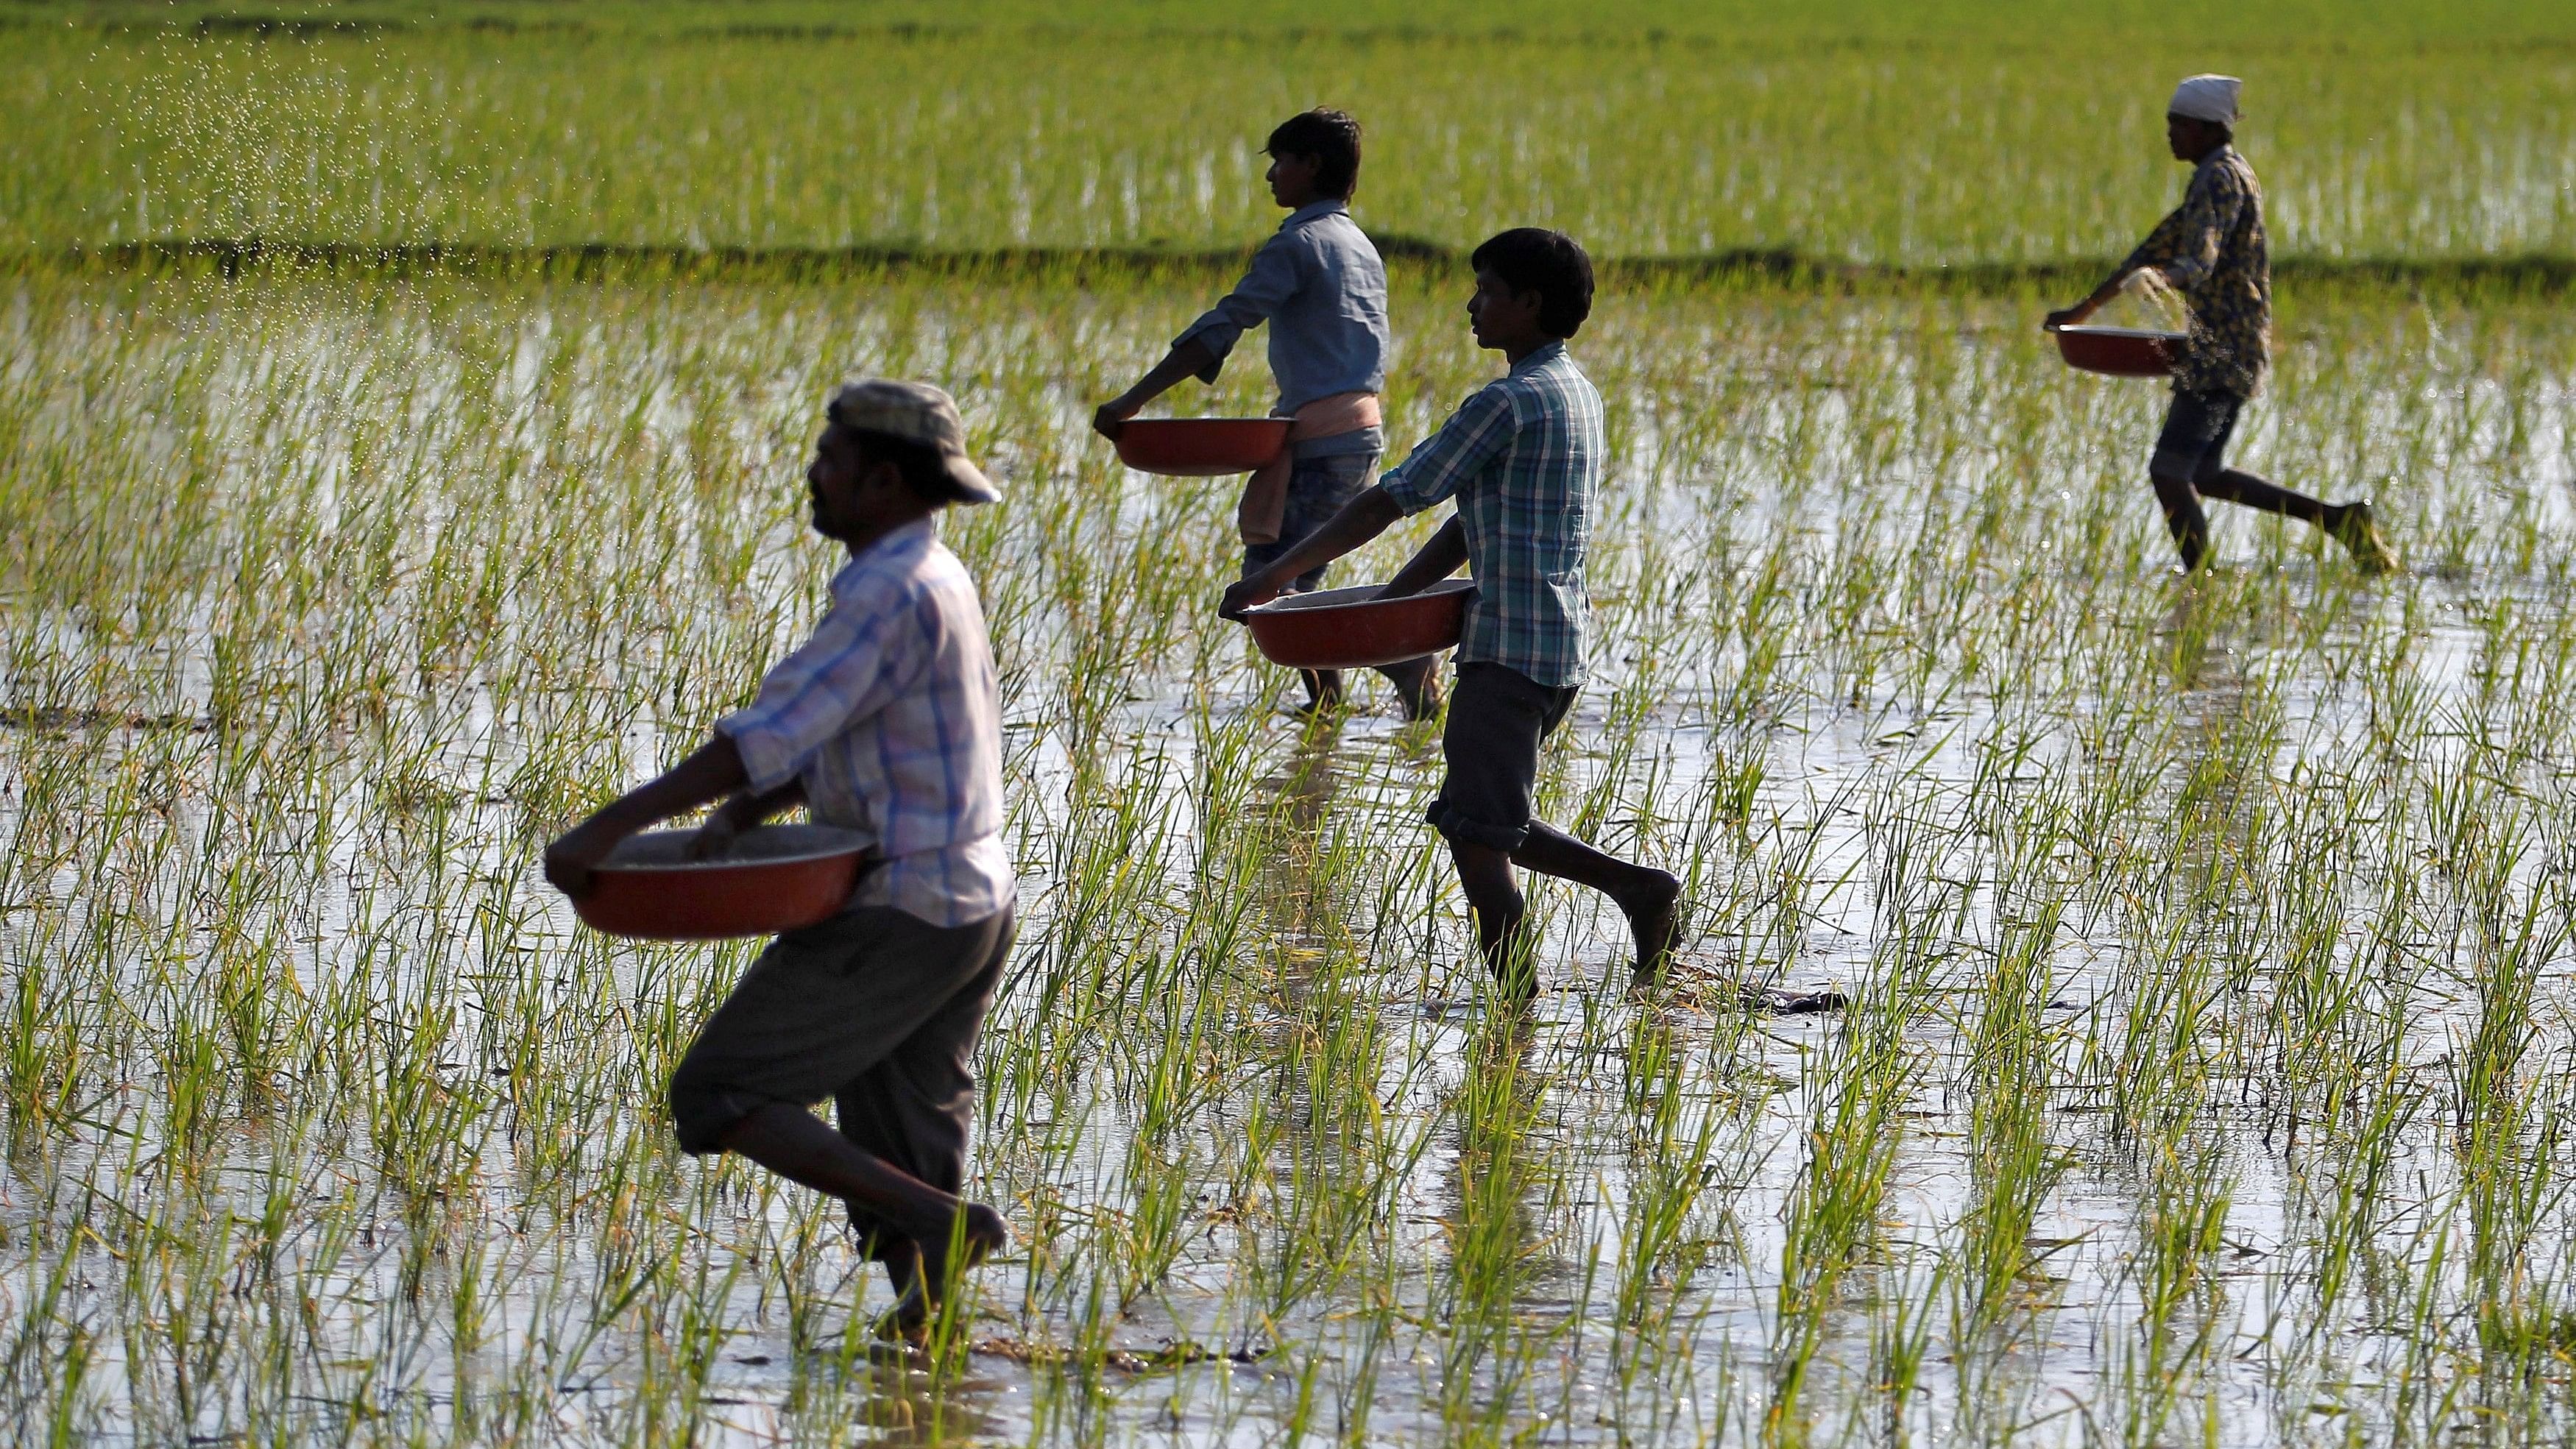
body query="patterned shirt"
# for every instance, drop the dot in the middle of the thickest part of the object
(890, 716)
(1523, 458)
(1319, 283)
(2212, 250)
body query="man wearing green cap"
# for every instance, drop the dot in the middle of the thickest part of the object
(2212, 250)
(886, 723)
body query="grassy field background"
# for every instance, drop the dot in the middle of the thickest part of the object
(2015, 133)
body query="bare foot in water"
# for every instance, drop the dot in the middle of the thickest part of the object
(925, 1277)
(1655, 916)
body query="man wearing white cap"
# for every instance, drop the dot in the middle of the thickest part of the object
(885, 722)
(2212, 250)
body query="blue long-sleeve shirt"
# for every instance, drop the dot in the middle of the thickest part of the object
(1320, 285)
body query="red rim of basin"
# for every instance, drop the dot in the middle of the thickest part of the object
(778, 877)
(1354, 628)
(1200, 447)
(2118, 351)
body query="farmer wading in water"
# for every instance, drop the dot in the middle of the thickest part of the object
(2212, 250)
(886, 722)
(1522, 460)
(1319, 283)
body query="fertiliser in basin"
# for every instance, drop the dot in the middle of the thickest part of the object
(2118, 351)
(1200, 447)
(1355, 628)
(776, 878)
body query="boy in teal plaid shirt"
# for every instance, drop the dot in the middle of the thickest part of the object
(1522, 457)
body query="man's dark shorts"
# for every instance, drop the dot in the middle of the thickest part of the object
(1317, 489)
(2193, 444)
(875, 1008)
(1497, 717)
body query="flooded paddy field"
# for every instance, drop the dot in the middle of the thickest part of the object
(2205, 1068)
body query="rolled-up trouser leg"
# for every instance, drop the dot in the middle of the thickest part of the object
(875, 1008)
(915, 1107)
(1497, 718)
(2191, 449)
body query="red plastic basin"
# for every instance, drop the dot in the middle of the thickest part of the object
(2118, 351)
(1354, 628)
(779, 877)
(1200, 447)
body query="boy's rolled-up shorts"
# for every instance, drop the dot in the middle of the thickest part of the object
(874, 1008)
(1497, 717)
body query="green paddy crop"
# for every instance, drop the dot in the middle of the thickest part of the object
(2018, 133)
(2206, 1052)
(2202, 1072)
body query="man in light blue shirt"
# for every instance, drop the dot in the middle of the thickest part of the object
(1320, 285)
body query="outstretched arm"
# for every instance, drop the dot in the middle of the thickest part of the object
(2151, 253)
(1190, 357)
(2101, 297)
(711, 772)
(1361, 519)
(1475, 435)
(1272, 279)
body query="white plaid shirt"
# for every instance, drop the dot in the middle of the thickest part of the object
(891, 717)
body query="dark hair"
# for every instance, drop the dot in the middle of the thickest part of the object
(924, 470)
(1331, 137)
(1550, 263)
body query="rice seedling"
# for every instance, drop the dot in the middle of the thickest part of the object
(2204, 944)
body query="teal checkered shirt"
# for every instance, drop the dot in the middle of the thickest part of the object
(1523, 458)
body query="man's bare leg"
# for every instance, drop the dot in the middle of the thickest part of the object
(2349, 524)
(2253, 490)
(922, 1280)
(1416, 685)
(2183, 518)
(1323, 690)
(799, 1146)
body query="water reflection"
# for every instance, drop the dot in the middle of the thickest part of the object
(1296, 900)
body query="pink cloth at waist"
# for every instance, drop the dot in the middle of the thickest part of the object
(1265, 493)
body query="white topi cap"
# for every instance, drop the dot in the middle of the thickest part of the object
(2207, 98)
